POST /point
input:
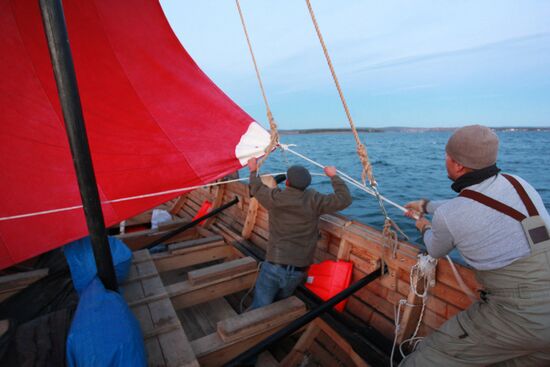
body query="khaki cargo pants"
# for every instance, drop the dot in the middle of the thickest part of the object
(509, 327)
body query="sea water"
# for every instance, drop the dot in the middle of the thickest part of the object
(409, 166)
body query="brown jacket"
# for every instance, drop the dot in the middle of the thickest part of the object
(294, 218)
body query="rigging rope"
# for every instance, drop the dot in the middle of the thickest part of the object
(273, 132)
(361, 150)
(136, 197)
(389, 226)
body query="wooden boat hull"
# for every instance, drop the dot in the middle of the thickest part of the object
(246, 224)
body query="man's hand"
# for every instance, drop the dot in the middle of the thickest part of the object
(416, 208)
(422, 224)
(330, 171)
(253, 164)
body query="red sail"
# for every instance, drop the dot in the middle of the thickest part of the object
(155, 121)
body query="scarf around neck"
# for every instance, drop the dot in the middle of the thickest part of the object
(474, 177)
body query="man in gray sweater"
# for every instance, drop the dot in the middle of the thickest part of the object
(500, 226)
(293, 228)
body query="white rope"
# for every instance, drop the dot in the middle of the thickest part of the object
(424, 268)
(346, 178)
(129, 198)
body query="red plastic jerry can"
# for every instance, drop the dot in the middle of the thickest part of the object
(329, 278)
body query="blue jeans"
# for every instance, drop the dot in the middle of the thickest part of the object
(275, 282)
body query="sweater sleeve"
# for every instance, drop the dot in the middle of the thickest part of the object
(339, 200)
(261, 192)
(433, 205)
(438, 240)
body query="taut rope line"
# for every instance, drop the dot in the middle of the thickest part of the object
(129, 198)
(361, 150)
(346, 178)
(389, 234)
(274, 134)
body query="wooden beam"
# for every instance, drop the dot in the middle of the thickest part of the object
(296, 355)
(13, 283)
(185, 294)
(204, 232)
(344, 249)
(193, 256)
(252, 210)
(411, 314)
(212, 350)
(164, 338)
(182, 247)
(225, 269)
(266, 359)
(218, 199)
(255, 321)
(138, 240)
(178, 204)
(250, 220)
(390, 279)
(342, 343)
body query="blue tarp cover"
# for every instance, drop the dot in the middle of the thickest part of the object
(104, 332)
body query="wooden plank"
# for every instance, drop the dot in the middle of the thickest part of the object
(166, 262)
(296, 355)
(322, 356)
(167, 344)
(185, 294)
(225, 269)
(185, 245)
(411, 313)
(254, 321)
(205, 232)
(212, 351)
(344, 250)
(266, 359)
(345, 348)
(138, 240)
(250, 220)
(140, 219)
(172, 224)
(334, 349)
(207, 245)
(175, 346)
(178, 205)
(21, 279)
(13, 283)
(365, 312)
(389, 280)
(218, 199)
(202, 319)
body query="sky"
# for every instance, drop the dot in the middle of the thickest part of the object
(400, 63)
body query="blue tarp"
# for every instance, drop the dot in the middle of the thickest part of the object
(81, 261)
(104, 332)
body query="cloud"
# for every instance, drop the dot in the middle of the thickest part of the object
(414, 59)
(405, 89)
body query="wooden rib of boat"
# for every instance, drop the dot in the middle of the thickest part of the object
(205, 271)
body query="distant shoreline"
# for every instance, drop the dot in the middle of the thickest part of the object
(400, 129)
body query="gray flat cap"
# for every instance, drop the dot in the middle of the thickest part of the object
(473, 146)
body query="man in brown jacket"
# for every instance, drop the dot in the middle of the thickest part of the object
(293, 228)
